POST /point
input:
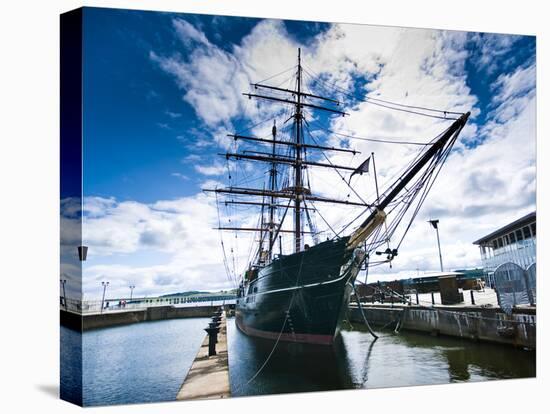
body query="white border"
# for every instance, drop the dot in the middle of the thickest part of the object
(29, 188)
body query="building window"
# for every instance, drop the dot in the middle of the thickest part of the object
(534, 229)
(512, 237)
(519, 235)
(526, 233)
(499, 242)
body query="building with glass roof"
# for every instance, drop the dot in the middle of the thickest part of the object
(516, 243)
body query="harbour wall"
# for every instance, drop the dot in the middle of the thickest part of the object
(208, 376)
(85, 322)
(476, 323)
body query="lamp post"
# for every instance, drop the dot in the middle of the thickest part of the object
(104, 284)
(434, 224)
(63, 281)
(82, 253)
(132, 287)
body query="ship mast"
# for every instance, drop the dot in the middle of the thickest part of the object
(377, 216)
(298, 165)
(296, 193)
(272, 188)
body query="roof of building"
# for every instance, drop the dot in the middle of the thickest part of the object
(435, 274)
(430, 276)
(519, 223)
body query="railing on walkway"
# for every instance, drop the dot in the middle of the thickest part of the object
(122, 305)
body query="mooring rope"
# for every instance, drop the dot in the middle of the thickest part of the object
(287, 313)
(363, 313)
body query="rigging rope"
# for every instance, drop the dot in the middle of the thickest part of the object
(385, 103)
(277, 74)
(312, 226)
(401, 203)
(381, 140)
(232, 279)
(320, 215)
(425, 194)
(330, 162)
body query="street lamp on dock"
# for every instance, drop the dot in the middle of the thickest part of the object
(132, 287)
(434, 224)
(104, 284)
(82, 253)
(63, 281)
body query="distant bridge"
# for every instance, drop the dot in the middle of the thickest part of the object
(124, 304)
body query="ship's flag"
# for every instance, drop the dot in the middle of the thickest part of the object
(364, 167)
(433, 223)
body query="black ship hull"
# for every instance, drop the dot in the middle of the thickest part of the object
(301, 297)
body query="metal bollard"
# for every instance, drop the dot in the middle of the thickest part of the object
(472, 297)
(215, 325)
(212, 339)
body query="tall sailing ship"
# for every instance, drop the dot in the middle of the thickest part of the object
(303, 295)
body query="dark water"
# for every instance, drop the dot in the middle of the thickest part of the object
(356, 361)
(71, 366)
(148, 362)
(136, 363)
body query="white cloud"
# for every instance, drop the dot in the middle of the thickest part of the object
(216, 169)
(173, 115)
(191, 158)
(176, 236)
(479, 190)
(180, 176)
(514, 92)
(481, 187)
(213, 79)
(70, 238)
(490, 49)
(188, 34)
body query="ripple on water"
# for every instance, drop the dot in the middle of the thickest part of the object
(356, 361)
(147, 362)
(142, 362)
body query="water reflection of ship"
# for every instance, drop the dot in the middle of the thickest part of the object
(468, 361)
(355, 361)
(292, 367)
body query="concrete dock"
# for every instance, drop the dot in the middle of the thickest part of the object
(476, 322)
(208, 377)
(84, 322)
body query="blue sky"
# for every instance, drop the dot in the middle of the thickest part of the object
(134, 113)
(161, 90)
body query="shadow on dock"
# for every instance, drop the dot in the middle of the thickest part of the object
(208, 377)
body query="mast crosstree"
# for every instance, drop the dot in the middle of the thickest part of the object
(298, 193)
(415, 181)
(266, 305)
